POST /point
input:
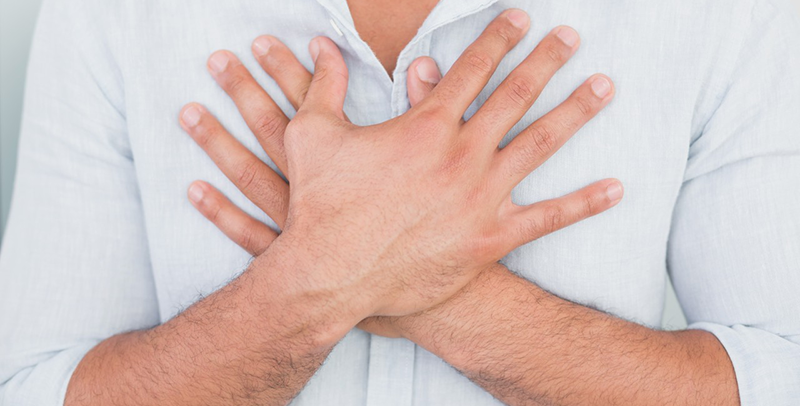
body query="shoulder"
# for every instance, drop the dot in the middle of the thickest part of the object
(738, 24)
(83, 24)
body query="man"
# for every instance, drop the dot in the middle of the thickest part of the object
(712, 163)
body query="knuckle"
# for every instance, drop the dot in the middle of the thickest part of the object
(554, 217)
(555, 53)
(295, 134)
(300, 93)
(235, 83)
(291, 130)
(297, 125)
(323, 73)
(584, 105)
(543, 140)
(212, 210)
(247, 174)
(437, 102)
(479, 63)
(342, 74)
(276, 62)
(203, 136)
(300, 118)
(269, 125)
(320, 73)
(521, 91)
(589, 205)
(430, 121)
(506, 33)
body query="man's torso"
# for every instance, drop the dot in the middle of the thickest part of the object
(663, 57)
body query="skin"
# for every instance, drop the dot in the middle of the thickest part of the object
(517, 341)
(345, 248)
(388, 25)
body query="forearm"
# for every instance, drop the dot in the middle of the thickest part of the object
(256, 341)
(527, 346)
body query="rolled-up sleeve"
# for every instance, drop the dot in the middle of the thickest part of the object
(74, 264)
(734, 248)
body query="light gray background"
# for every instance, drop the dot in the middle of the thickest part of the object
(17, 20)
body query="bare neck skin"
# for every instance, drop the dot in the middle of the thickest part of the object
(388, 25)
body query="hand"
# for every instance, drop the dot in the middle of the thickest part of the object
(268, 123)
(253, 177)
(380, 205)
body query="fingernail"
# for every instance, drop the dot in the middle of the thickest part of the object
(195, 193)
(261, 46)
(219, 62)
(519, 19)
(313, 49)
(568, 36)
(191, 116)
(601, 86)
(614, 192)
(428, 72)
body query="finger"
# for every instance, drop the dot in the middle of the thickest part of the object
(470, 73)
(265, 119)
(252, 176)
(539, 219)
(543, 138)
(379, 325)
(329, 85)
(423, 75)
(281, 65)
(517, 93)
(249, 233)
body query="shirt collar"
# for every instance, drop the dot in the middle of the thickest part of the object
(445, 12)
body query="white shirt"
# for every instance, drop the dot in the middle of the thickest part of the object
(704, 133)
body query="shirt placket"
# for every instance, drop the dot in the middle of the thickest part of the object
(390, 378)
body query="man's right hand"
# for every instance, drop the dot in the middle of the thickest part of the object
(394, 218)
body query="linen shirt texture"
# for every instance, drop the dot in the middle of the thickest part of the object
(704, 132)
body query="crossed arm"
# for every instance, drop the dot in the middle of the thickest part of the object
(209, 341)
(527, 346)
(519, 342)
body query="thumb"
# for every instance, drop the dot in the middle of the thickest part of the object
(329, 84)
(423, 76)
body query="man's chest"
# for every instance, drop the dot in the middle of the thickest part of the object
(615, 261)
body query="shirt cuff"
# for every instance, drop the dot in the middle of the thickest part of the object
(46, 382)
(767, 366)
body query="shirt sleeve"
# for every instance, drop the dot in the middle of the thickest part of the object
(734, 247)
(74, 266)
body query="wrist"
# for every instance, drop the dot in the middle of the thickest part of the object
(450, 329)
(308, 291)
